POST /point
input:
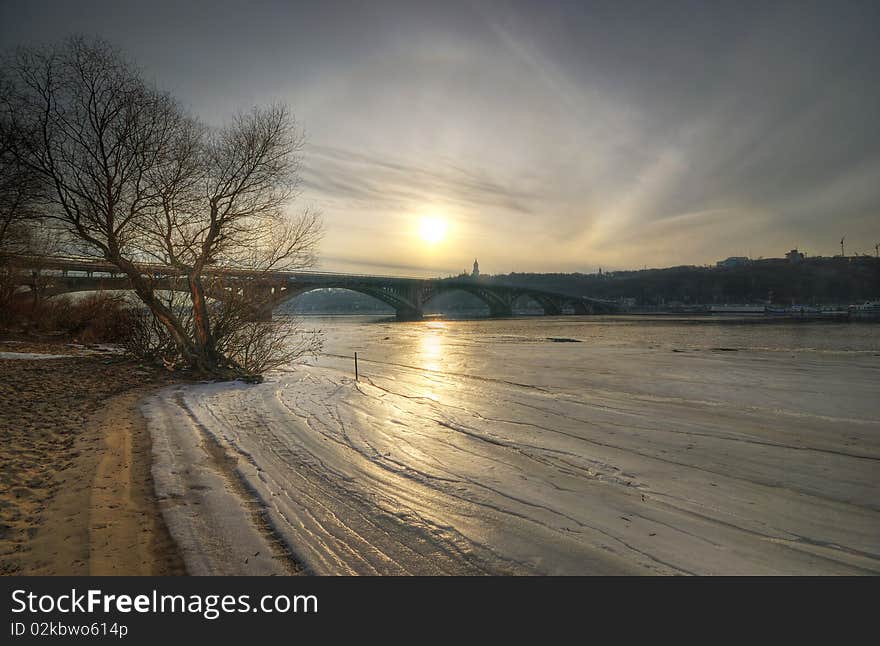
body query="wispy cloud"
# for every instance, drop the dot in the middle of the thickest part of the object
(371, 180)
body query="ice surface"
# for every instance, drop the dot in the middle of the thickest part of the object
(33, 355)
(484, 447)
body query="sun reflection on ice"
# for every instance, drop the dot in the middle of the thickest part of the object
(431, 349)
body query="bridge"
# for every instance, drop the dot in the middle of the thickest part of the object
(408, 296)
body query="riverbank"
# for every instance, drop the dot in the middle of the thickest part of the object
(76, 491)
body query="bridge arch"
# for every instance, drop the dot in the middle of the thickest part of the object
(407, 296)
(549, 306)
(62, 286)
(456, 299)
(405, 307)
(499, 301)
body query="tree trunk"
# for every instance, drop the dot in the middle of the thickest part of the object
(201, 321)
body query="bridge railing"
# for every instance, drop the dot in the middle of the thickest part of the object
(93, 265)
(96, 265)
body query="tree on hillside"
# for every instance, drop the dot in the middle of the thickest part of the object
(133, 178)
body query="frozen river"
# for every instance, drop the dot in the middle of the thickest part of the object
(569, 445)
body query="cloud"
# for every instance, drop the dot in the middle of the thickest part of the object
(370, 180)
(558, 136)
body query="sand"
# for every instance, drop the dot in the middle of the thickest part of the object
(76, 492)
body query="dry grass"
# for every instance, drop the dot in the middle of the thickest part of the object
(96, 318)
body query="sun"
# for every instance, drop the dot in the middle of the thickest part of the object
(432, 230)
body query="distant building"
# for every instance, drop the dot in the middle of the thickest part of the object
(733, 261)
(476, 272)
(794, 256)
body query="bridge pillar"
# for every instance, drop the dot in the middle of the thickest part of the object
(260, 302)
(408, 314)
(499, 310)
(264, 312)
(412, 299)
(500, 303)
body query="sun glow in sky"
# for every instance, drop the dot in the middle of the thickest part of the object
(553, 136)
(432, 230)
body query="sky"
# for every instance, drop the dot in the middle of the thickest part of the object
(535, 136)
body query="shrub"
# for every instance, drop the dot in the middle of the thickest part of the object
(96, 318)
(252, 346)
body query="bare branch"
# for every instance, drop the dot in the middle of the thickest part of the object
(123, 170)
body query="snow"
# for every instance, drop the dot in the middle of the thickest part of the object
(98, 348)
(197, 497)
(78, 350)
(33, 355)
(482, 446)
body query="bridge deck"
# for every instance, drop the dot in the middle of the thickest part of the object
(94, 265)
(407, 295)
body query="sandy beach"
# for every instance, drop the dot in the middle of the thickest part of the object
(76, 492)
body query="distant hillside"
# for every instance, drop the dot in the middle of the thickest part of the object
(818, 281)
(811, 281)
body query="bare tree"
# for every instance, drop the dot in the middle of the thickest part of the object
(20, 189)
(137, 179)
